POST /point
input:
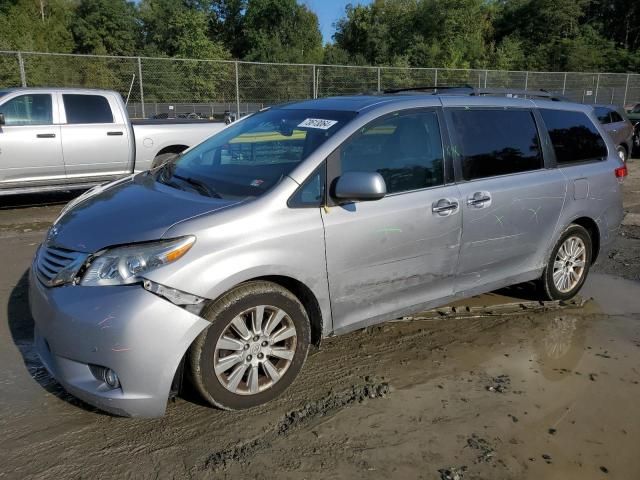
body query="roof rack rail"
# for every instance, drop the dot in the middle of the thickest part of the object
(473, 91)
(433, 90)
(519, 93)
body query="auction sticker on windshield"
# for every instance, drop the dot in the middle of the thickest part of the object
(318, 123)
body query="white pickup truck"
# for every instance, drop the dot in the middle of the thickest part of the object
(70, 138)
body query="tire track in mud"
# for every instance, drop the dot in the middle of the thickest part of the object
(325, 406)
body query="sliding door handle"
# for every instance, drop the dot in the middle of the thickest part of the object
(46, 135)
(115, 134)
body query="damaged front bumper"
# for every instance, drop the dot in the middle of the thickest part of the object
(135, 333)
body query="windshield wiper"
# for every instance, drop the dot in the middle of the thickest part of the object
(200, 186)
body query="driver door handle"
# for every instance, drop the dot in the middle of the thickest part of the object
(444, 207)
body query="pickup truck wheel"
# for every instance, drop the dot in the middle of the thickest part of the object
(162, 159)
(568, 265)
(256, 345)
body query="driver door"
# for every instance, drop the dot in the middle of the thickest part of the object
(30, 146)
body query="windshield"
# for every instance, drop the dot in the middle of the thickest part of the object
(246, 159)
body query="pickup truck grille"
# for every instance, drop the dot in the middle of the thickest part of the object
(56, 265)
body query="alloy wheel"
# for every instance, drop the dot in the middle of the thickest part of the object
(569, 264)
(255, 350)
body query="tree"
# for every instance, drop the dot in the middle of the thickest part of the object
(106, 27)
(227, 23)
(281, 31)
(36, 25)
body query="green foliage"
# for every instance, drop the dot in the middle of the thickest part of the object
(36, 25)
(557, 35)
(553, 35)
(281, 31)
(106, 27)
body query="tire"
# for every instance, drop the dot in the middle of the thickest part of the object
(162, 159)
(555, 289)
(622, 153)
(228, 384)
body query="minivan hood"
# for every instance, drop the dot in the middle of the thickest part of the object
(136, 210)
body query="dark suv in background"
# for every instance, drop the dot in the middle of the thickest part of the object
(616, 123)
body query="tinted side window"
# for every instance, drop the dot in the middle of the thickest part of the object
(574, 137)
(603, 115)
(405, 149)
(616, 117)
(87, 109)
(28, 110)
(496, 142)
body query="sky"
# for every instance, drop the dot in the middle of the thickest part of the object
(328, 12)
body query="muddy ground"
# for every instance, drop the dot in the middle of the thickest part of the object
(547, 394)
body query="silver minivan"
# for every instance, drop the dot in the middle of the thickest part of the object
(309, 220)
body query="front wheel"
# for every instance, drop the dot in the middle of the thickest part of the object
(256, 345)
(568, 266)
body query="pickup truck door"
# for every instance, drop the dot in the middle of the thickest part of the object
(30, 147)
(96, 138)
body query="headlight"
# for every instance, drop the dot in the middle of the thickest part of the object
(124, 265)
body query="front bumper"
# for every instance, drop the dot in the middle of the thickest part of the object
(137, 334)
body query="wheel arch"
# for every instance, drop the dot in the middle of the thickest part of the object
(590, 226)
(171, 149)
(306, 296)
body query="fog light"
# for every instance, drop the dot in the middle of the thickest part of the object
(105, 375)
(111, 379)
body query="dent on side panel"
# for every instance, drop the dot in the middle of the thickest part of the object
(597, 195)
(284, 242)
(509, 237)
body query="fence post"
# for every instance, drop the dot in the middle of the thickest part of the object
(595, 100)
(435, 83)
(23, 76)
(237, 91)
(526, 80)
(564, 83)
(626, 90)
(378, 79)
(141, 87)
(315, 89)
(486, 74)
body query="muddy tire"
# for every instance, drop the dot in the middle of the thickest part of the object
(568, 265)
(162, 159)
(256, 345)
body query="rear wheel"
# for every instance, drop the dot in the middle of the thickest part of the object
(254, 349)
(622, 153)
(568, 266)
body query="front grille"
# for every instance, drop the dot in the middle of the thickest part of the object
(52, 261)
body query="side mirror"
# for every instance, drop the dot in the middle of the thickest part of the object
(360, 186)
(2, 121)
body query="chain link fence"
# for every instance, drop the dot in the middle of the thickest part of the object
(207, 88)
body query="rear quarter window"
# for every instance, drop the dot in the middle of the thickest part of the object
(574, 137)
(87, 109)
(496, 142)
